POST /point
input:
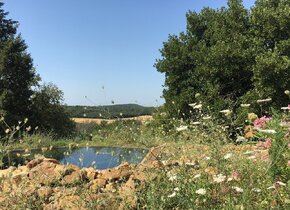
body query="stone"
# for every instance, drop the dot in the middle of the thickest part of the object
(90, 173)
(46, 173)
(121, 171)
(44, 192)
(97, 184)
(74, 177)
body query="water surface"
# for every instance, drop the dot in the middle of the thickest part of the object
(96, 157)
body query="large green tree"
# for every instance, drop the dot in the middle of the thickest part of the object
(21, 96)
(49, 113)
(17, 75)
(228, 56)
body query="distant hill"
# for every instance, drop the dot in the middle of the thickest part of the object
(109, 111)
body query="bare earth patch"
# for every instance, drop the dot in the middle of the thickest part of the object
(142, 118)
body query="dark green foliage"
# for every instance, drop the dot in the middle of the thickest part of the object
(49, 113)
(228, 56)
(17, 75)
(18, 79)
(110, 111)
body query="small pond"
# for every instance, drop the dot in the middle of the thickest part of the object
(84, 157)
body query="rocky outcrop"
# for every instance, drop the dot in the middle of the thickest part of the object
(56, 186)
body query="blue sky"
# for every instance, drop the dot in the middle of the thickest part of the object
(82, 46)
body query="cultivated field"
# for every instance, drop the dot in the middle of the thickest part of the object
(142, 118)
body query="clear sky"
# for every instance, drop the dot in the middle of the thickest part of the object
(84, 45)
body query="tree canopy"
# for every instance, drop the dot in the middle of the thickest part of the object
(21, 95)
(227, 57)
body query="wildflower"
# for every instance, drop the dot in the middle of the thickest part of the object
(285, 124)
(287, 92)
(219, 178)
(206, 118)
(264, 100)
(226, 112)
(256, 190)
(236, 176)
(261, 122)
(192, 105)
(241, 139)
(196, 176)
(172, 195)
(18, 127)
(285, 108)
(267, 131)
(248, 152)
(196, 123)
(230, 179)
(36, 128)
(245, 105)
(19, 122)
(238, 189)
(198, 106)
(252, 117)
(271, 187)
(252, 157)
(44, 149)
(172, 178)
(176, 189)
(25, 120)
(197, 95)
(7, 131)
(25, 155)
(227, 156)
(200, 191)
(2, 119)
(268, 143)
(181, 128)
(288, 163)
(280, 183)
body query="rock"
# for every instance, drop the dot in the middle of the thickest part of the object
(74, 177)
(44, 192)
(97, 184)
(46, 173)
(31, 164)
(72, 202)
(90, 173)
(37, 161)
(121, 171)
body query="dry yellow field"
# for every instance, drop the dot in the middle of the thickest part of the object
(98, 121)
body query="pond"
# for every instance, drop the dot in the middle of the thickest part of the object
(84, 157)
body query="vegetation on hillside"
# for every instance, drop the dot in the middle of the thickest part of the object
(110, 111)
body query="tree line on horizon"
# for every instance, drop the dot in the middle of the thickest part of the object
(109, 111)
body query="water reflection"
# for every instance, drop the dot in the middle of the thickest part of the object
(96, 157)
